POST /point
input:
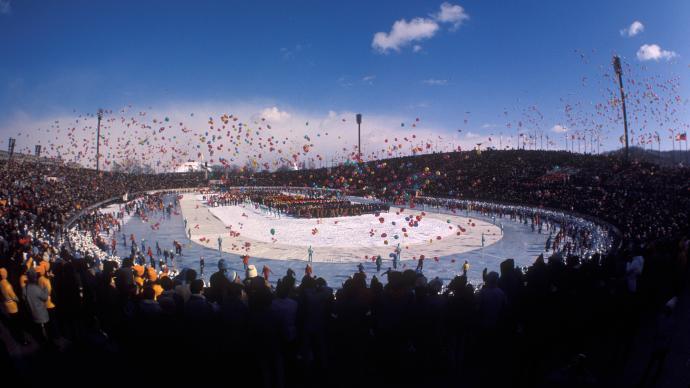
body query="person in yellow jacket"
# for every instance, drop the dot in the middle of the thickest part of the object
(44, 282)
(10, 306)
(9, 298)
(152, 278)
(139, 277)
(23, 280)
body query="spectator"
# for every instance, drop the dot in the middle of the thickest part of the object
(36, 298)
(219, 282)
(11, 308)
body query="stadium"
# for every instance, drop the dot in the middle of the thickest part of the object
(460, 233)
(74, 229)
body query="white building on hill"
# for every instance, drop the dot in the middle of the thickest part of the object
(192, 167)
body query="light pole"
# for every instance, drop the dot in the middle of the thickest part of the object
(11, 144)
(359, 137)
(98, 140)
(619, 72)
(566, 141)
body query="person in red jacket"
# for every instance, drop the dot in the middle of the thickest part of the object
(266, 271)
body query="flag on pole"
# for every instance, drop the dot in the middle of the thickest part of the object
(682, 136)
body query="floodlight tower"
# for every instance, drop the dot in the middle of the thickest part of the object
(98, 140)
(359, 137)
(619, 72)
(10, 148)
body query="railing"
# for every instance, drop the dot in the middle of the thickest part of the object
(616, 241)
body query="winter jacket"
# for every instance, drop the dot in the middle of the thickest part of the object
(36, 298)
(9, 298)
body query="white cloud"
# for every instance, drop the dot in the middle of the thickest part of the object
(345, 82)
(416, 48)
(418, 105)
(451, 13)
(635, 28)
(274, 114)
(472, 135)
(558, 128)
(369, 79)
(5, 7)
(654, 52)
(403, 33)
(290, 53)
(435, 82)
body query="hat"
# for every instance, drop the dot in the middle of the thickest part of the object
(222, 265)
(138, 270)
(251, 271)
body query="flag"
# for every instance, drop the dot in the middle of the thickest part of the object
(682, 137)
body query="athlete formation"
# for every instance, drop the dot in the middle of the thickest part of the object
(298, 205)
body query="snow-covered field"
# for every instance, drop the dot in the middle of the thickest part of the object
(356, 231)
(246, 229)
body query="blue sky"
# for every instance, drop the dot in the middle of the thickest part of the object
(316, 56)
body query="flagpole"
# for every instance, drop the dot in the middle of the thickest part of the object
(619, 72)
(99, 114)
(566, 141)
(673, 146)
